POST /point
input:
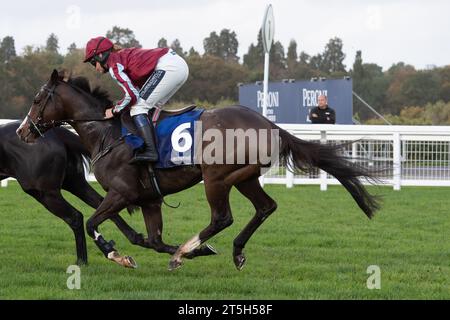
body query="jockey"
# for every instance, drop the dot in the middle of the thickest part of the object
(148, 78)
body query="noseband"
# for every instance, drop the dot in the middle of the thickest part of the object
(38, 127)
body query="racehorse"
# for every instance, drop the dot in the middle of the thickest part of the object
(45, 168)
(62, 102)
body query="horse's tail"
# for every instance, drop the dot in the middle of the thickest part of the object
(305, 155)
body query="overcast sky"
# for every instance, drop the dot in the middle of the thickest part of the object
(413, 31)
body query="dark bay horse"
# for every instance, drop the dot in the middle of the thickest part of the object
(44, 168)
(48, 166)
(60, 101)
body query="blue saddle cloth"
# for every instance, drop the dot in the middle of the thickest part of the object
(174, 139)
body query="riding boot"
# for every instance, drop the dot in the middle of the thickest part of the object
(145, 131)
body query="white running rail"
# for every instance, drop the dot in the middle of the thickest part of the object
(418, 155)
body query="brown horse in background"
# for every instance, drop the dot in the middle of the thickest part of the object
(59, 101)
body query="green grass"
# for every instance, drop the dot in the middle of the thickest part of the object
(317, 245)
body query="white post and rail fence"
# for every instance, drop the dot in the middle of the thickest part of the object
(417, 155)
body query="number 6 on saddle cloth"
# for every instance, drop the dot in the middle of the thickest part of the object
(174, 133)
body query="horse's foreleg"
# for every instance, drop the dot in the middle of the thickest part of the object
(83, 190)
(264, 206)
(217, 194)
(80, 188)
(56, 204)
(109, 208)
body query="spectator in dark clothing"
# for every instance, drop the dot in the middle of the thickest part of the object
(322, 113)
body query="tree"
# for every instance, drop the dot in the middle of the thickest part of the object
(212, 45)
(333, 57)
(421, 88)
(229, 45)
(162, 43)
(277, 61)
(358, 70)
(292, 57)
(72, 48)
(370, 83)
(397, 75)
(304, 58)
(303, 69)
(212, 79)
(224, 46)
(193, 53)
(7, 50)
(52, 44)
(444, 74)
(316, 62)
(438, 113)
(176, 46)
(255, 55)
(123, 37)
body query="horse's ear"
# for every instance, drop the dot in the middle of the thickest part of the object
(68, 76)
(54, 77)
(63, 75)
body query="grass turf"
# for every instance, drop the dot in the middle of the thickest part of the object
(317, 245)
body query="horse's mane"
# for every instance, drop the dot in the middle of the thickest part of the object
(101, 95)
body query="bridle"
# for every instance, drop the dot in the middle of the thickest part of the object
(39, 127)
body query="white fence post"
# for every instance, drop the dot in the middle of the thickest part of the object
(354, 151)
(261, 181)
(289, 174)
(323, 174)
(397, 150)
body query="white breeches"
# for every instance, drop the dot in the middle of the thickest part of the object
(170, 74)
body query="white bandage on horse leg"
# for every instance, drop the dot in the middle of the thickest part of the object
(191, 244)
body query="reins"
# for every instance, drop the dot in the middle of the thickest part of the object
(40, 126)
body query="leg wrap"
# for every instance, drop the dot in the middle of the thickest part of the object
(104, 246)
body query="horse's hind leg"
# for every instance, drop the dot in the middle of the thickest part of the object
(154, 224)
(264, 206)
(217, 193)
(56, 204)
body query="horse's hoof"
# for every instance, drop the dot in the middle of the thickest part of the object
(209, 250)
(126, 261)
(174, 264)
(204, 250)
(239, 261)
(129, 262)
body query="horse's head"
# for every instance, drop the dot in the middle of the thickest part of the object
(45, 111)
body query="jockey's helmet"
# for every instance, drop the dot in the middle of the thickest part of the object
(95, 46)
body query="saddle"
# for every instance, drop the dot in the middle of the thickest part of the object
(163, 140)
(155, 115)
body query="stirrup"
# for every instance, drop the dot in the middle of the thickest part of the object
(139, 158)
